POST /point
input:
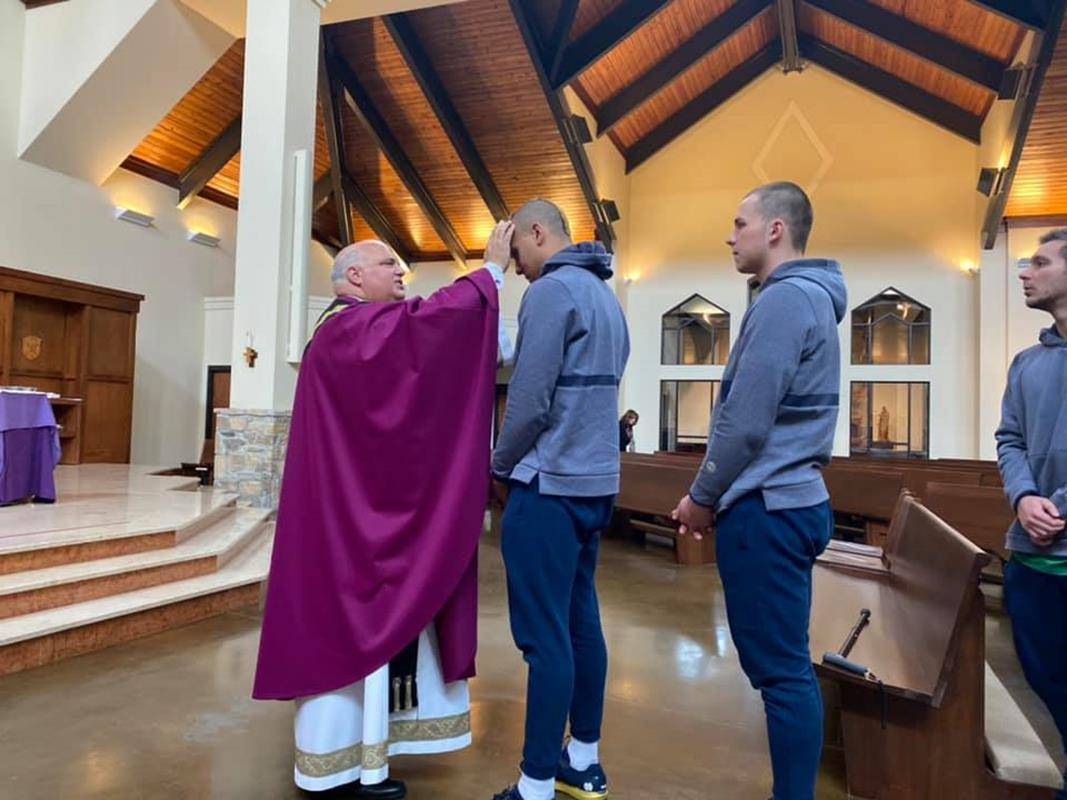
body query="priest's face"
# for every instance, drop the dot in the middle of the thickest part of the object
(380, 276)
(749, 242)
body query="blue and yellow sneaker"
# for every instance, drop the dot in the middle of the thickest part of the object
(588, 784)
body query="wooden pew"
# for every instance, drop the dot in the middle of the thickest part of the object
(870, 494)
(649, 488)
(981, 513)
(918, 731)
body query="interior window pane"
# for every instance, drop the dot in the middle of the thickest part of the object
(695, 332)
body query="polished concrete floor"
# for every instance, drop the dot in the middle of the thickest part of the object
(170, 716)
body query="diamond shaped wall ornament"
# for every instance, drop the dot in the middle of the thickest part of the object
(793, 151)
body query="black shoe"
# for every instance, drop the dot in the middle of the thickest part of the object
(386, 790)
(511, 793)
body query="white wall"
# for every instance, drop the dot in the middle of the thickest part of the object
(894, 202)
(123, 65)
(56, 225)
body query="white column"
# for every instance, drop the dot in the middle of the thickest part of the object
(993, 356)
(281, 63)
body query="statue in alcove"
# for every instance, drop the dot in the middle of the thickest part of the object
(883, 425)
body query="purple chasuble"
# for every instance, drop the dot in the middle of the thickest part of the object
(384, 491)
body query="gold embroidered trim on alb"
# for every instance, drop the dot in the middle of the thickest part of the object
(376, 756)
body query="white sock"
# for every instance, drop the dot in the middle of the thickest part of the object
(532, 789)
(582, 754)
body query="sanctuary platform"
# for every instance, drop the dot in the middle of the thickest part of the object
(123, 553)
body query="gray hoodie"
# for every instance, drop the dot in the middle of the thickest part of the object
(1032, 437)
(772, 429)
(561, 421)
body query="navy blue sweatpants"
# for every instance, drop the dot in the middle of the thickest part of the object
(1037, 605)
(550, 549)
(765, 561)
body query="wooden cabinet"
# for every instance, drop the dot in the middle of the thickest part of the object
(78, 341)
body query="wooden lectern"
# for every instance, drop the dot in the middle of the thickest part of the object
(918, 731)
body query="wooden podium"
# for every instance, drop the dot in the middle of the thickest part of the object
(920, 732)
(77, 341)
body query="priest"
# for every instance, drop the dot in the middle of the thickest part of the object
(370, 617)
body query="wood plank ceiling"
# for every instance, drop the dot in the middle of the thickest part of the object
(504, 114)
(449, 116)
(1040, 187)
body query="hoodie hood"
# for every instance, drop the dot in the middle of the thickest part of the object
(584, 255)
(823, 272)
(1050, 337)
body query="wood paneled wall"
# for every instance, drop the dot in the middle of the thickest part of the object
(78, 341)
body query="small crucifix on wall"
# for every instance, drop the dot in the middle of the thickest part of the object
(250, 353)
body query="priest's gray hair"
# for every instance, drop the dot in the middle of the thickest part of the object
(353, 256)
(545, 212)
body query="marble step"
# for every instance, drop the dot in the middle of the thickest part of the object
(50, 536)
(42, 637)
(200, 554)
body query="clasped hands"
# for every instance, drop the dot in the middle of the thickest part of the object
(693, 519)
(1041, 519)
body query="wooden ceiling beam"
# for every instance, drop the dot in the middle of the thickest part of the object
(615, 108)
(156, 173)
(622, 21)
(1033, 14)
(561, 36)
(787, 31)
(322, 191)
(891, 87)
(415, 56)
(1022, 116)
(702, 105)
(561, 113)
(329, 97)
(208, 164)
(901, 32)
(378, 222)
(360, 103)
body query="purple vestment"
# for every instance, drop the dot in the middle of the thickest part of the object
(384, 491)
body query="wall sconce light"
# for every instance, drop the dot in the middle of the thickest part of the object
(136, 217)
(630, 281)
(990, 181)
(969, 266)
(197, 237)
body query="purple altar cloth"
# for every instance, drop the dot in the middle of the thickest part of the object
(29, 448)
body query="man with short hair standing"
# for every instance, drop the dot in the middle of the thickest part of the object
(558, 456)
(1032, 455)
(771, 433)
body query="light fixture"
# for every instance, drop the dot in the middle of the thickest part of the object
(198, 237)
(969, 266)
(631, 280)
(136, 217)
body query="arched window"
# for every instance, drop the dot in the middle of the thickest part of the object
(696, 332)
(891, 328)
